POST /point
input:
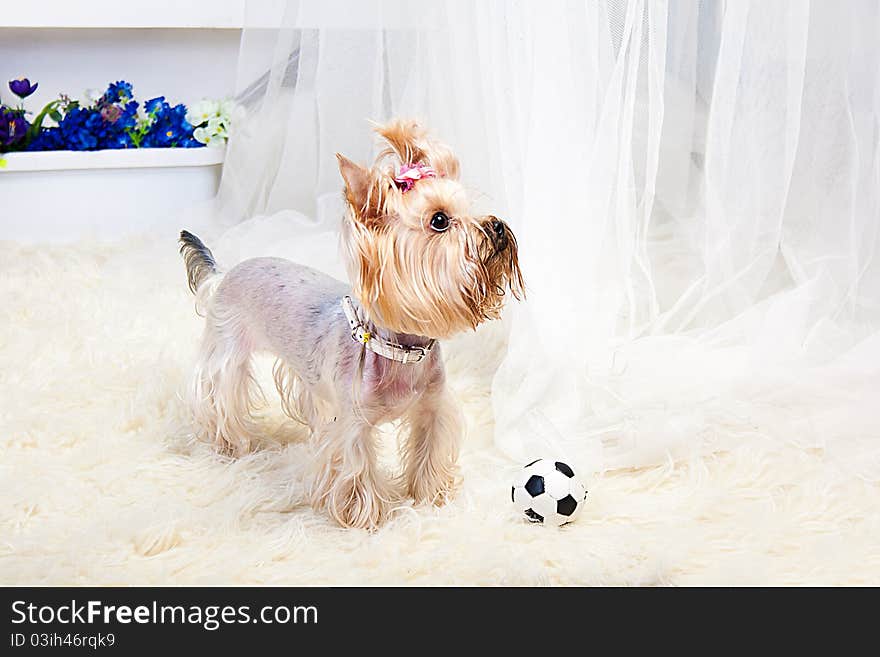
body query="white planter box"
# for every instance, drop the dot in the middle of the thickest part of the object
(61, 196)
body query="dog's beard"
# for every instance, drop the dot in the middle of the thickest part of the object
(502, 273)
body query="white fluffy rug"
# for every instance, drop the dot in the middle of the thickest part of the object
(101, 483)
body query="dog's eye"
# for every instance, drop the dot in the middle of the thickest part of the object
(439, 222)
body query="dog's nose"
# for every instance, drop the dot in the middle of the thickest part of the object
(497, 231)
(498, 227)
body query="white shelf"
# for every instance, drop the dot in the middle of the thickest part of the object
(218, 14)
(125, 158)
(210, 14)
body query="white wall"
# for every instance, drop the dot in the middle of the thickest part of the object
(182, 64)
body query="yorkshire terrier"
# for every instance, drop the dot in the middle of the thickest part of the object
(422, 268)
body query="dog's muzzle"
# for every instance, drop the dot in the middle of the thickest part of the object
(498, 233)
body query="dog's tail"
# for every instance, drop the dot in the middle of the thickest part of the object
(200, 263)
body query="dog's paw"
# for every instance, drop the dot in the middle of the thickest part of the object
(357, 502)
(232, 448)
(436, 488)
(363, 513)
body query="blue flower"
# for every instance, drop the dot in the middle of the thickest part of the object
(48, 139)
(113, 122)
(87, 129)
(120, 91)
(155, 106)
(170, 127)
(128, 119)
(80, 129)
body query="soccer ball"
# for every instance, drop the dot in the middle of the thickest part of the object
(548, 492)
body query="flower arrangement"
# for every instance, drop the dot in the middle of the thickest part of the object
(111, 120)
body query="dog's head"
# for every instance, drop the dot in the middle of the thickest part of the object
(418, 260)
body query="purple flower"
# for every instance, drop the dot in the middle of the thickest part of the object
(22, 87)
(111, 113)
(13, 127)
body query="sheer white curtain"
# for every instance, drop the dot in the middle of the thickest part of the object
(695, 187)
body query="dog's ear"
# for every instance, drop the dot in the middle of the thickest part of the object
(357, 185)
(409, 142)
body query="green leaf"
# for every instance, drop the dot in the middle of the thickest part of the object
(55, 115)
(37, 124)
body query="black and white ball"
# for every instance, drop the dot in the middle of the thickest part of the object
(548, 492)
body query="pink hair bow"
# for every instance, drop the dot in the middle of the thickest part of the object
(408, 174)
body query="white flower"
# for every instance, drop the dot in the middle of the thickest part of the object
(92, 96)
(213, 120)
(203, 111)
(216, 126)
(202, 136)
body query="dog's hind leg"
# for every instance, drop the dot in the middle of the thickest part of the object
(224, 393)
(294, 397)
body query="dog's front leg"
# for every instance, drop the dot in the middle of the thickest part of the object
(348, 483)
(430, 453)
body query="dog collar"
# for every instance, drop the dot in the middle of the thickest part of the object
(390, 350)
